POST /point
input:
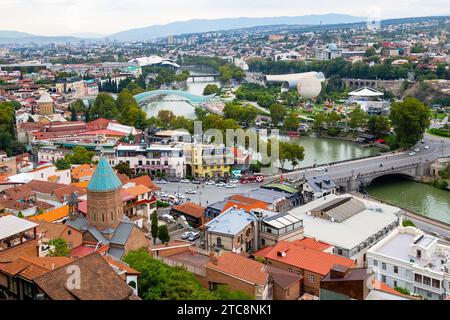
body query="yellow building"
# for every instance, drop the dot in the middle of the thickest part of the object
(207, 161)
(45, 104)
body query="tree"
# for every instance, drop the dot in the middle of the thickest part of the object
(292, 122)
(20, 215)
(62, 164)
(211, 89)
(358, 118)
(104, 107)
(292, 152)
(410, 119)
(408, 223)
(378, 125)
(80, 155)
(124, 168)
(7, 117)
(159, 281)
(319, 121)
(60, 248)
(277, 113)
(154, 226)
(163, 234)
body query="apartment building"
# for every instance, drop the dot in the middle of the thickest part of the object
(410, 259)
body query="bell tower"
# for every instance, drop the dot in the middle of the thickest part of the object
(104, 198)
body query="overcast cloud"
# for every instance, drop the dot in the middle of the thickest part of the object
(62, 17)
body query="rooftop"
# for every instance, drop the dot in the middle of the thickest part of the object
(230, 222)
(104, 178)
(352, 231)
(240, 267)
(12, 225)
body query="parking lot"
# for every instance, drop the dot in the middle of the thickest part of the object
(206, 194)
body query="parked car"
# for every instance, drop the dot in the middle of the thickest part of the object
(162, 181)
(174, 180)
(185, 181)
(320, 169)
(230, 185)
(194, 236)
(168, 217)
(190, 191)
(179, 195)
(186, 235)
(412, 153)
(221, 184)
(210, 183)
(252, 179)
(427, 147)
(234, 181)
(196, 181)
(416, 150)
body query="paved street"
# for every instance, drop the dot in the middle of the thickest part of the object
(207, 194)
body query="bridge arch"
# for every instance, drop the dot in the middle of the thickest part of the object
(188, 97)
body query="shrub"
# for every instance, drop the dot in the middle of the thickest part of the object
(408, 223)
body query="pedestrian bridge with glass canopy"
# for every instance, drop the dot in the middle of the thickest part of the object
(186, 96)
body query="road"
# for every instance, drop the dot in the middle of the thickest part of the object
(437, 148)
(206, 194)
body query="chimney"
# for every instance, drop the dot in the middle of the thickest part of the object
(213, 258)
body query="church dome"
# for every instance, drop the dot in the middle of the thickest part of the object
(104, 179)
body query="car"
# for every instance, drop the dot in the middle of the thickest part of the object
(416, 150)
(162, 181)
(194, 236)
(179, 195)
(412, 153)
(252, 179)
(221, 184)
(168, 217)
(233, 181)
(427, 147)
(186, 235)
(210, 183)
(174, 180)
(196, 182)
(319, 169)
(230, 185)
(422, 141)
(185, 181)
(190, 191)
(163, 195)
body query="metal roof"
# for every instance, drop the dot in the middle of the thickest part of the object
(104, 178)
(341, 209)
(12, 225)
(122, 233)
(97, 235)
(116, 252)
(80, 223)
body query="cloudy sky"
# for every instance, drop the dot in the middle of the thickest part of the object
(62, 17)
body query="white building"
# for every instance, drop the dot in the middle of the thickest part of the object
(47, 173)
(153, 160)
(410, 259)
(352, 225)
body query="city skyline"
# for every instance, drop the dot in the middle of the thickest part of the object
(69, 17)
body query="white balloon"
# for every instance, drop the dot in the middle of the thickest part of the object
(309, 87)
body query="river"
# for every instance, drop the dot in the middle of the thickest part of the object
(175, 104)
(414, 196)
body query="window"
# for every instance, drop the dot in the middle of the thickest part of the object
(69, 232)
(429, 294)
(418, 278)
(290, 270)
(263, 242)
(395, 284)
(219, 242)
(436, 283)
(375, 263)
(395, 269)
(311, 279)
(383, 266)
(339, 252)
(383, 278)
(427, 281)
(112, 215)
(12, 285)
(28, 289)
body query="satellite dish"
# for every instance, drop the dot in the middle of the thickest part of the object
(309, 87)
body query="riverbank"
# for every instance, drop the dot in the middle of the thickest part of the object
(416, 197)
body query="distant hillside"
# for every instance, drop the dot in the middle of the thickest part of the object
(204, 25)
(7, 34)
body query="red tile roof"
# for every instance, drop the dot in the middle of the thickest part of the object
(240, 267)
(306, 258)
(312, 244)
(146, 181)
(191, 209)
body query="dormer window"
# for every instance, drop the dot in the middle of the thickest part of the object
(419, 254)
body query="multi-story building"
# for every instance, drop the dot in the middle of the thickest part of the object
(154, 159)
(352, 225)
(410, 259)
(208, 161)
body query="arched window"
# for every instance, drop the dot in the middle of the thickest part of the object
(112, 215)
